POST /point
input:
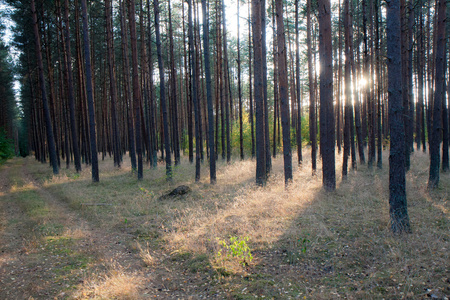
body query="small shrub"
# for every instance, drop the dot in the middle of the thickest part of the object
(237, 248)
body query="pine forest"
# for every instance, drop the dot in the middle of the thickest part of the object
(224, 149)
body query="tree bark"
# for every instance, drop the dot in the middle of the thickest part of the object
(48, 122)
(212, 153)
(312, 93)
(284, 98)
(433, 180)
(258, 93)
(194, 92)
(162, 91)
(90, 96)
(397, 190)
(73, 125)
(327, 125)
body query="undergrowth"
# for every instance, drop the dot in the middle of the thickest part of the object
(302, 241)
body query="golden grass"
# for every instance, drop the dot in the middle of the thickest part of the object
(331, 243)
(115, 284)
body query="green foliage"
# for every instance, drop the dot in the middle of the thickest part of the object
(6, 147)
(237, 248)
(303, 243)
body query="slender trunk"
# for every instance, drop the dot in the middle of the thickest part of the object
(312, 93)
(241, 130)
(433, 181)
(112, 78)
(194, 92)
(348, 86)
(326, 96)
(127, 89)
(297, 80)
(212, 153)
(275, 82)
(264, 86)
(174, 92)
(227, 93)
(250, 86)
(162, 91)
(48, 122)
(284, 99)
(261, 175)
(73, 125)
(90, 96)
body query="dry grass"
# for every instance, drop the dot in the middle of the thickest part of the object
(306, 242)
(115, 284)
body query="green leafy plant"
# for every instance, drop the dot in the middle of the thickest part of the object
(303, 242)
(236, 247)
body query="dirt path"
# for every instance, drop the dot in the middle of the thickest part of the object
(55, 253)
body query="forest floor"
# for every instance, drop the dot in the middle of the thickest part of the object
(63, 237)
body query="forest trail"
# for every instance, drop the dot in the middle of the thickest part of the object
(48, 250)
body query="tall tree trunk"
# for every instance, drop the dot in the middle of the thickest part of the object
(174, 92)
(227, 93)
(420, 62)
(348, 86)
(297, 80)
(261, 175)
(379, 86)
(90, 96)
(397, 190)
(264, 86)
(112, 78)
(73, 125)
(439, 94)
(212, 153)
(162, 91)
(339, 75)
(136, 86)
(48, 122)
(404, 39)
(241, 123)
(284, 98)
(275, 82)
(250, 86)
(194, 92)
(312, 93)
(127, 88)
(326, 96)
